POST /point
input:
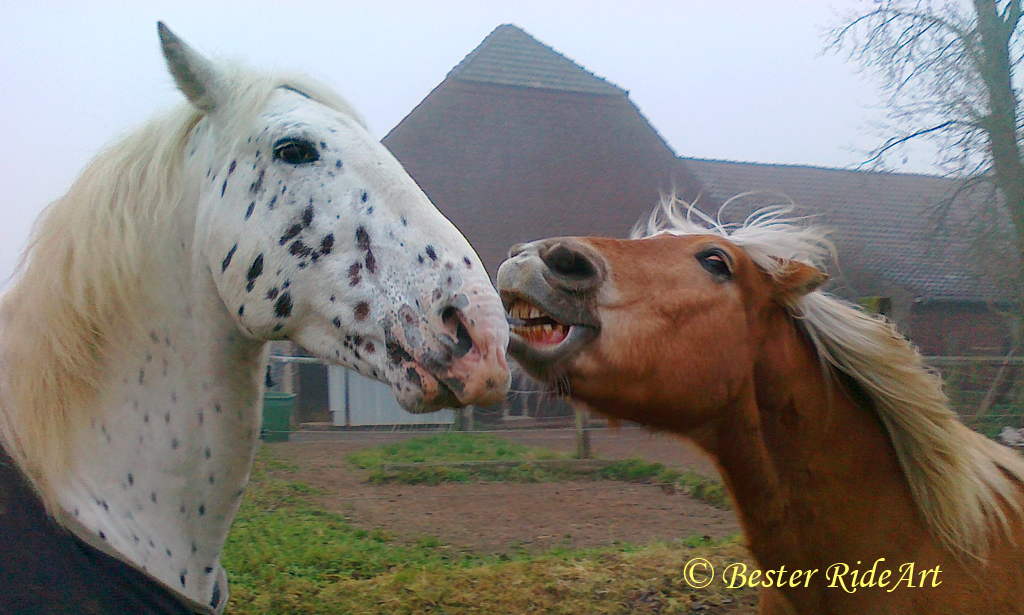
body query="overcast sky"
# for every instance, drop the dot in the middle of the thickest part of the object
(741, 80)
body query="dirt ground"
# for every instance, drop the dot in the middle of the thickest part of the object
(502, 517)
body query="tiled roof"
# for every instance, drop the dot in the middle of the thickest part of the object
(508, 165)
(510, 56)
(897, 226)
(519, 143)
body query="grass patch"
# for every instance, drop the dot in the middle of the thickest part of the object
(640, 471)
(1001, 415)
(287, 555)
(283, 549)
(449, 447)
(523, 466)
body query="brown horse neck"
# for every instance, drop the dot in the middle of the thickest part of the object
(810, 468)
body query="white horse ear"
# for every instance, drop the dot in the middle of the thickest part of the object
(195, 75)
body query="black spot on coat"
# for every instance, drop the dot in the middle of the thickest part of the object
(327, 244)
(396, 353)
(227, 259)
(299, 249)
(255, 270)
(362, 238)
(414, 377)
(290, 234)
(283, 307)
(258, 184)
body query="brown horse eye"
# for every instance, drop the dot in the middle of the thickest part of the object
(716, 263)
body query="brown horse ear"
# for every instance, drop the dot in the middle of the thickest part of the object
(796, 280)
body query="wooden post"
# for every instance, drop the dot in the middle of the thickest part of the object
(1005, 370)
(583, 450)
(288, 381)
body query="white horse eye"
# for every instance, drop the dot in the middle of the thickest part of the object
(295, 151)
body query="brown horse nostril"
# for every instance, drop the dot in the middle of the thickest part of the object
(516, 250)
(568, 262)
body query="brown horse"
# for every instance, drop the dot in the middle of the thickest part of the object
(859, 490)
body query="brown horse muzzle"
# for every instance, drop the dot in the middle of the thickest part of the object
(555, 283)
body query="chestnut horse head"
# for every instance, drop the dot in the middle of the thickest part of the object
(834, 439)
(646, 324)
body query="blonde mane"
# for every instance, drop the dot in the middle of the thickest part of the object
(963, 483)
(82, 280)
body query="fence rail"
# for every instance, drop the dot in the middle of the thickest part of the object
(973, 360)
(306, 360)
(986, 390)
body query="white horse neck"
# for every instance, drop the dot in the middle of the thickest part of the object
(159, 476)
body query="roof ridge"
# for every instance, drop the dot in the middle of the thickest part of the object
(511, 56)
(796, 165)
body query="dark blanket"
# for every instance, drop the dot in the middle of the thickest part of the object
(45, 569)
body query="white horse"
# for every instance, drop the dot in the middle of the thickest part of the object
(131, 346)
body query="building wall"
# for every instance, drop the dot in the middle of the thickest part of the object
(958, 329)
(358, 401)
(312, 402)
(509, 164)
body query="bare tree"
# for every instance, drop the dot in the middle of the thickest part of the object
(947, 72)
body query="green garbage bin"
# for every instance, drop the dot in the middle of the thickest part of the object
(277, 416)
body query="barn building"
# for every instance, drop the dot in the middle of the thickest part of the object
(519, 142)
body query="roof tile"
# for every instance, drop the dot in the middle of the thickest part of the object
(906, 228)
(510, 56)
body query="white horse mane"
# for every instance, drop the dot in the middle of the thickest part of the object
(960, 480)
(81, 281)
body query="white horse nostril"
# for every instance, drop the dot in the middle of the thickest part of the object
(462, 341)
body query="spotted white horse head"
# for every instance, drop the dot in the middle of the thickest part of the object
(131, 347)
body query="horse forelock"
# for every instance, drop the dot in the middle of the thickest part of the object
(963, 483)
(85, 274)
